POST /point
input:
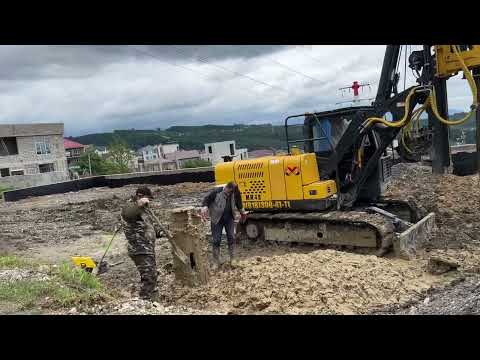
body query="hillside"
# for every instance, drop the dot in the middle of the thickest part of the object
(253, 137)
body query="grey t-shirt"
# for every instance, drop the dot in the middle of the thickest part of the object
(228, 212)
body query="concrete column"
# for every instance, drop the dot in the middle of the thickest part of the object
(476, 74)
(189, 247)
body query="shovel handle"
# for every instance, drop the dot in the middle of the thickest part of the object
(109, 244)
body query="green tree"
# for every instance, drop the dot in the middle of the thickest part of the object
(99, 165)
(196, 163)
(120, 154)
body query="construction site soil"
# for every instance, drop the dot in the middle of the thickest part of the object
(269, 278)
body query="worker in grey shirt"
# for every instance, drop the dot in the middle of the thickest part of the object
(220, 204)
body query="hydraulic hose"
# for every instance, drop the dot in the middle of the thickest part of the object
(397, 123)
(408, 129)
(432, 99)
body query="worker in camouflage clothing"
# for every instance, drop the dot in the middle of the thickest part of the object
(141, 230)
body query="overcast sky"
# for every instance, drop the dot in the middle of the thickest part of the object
(102, 88)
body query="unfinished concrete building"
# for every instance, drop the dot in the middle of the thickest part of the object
(32, 155)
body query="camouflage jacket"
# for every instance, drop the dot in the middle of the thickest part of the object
(141, 229)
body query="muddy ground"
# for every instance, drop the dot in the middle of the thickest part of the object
(269, 279)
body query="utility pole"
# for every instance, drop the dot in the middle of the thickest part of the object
(89, 164)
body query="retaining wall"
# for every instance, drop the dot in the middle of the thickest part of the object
(112, 181)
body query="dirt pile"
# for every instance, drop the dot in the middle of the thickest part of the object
(455, 200)
(461, 298)
(312, 282)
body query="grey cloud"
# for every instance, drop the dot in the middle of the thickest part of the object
(52, 61)
(101, 88)
(212, 52)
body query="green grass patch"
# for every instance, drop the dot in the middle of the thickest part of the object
(78, 278)
(11, 262)
(67, 286)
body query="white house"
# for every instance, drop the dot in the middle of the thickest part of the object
(168, 149)
(214, 152)
(149, 152)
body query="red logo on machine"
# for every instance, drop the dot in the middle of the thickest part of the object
(292, 170)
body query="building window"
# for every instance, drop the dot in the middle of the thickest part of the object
(8, 146)
(45, 168)
(17, 172)
(232, 150)
(210, 150)
(241, 156)
(5, 172)
(42, 146)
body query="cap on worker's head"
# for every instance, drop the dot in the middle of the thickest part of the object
(144, 191)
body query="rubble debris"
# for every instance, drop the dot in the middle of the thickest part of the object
(460, 298)
(455, 201)
(437, 265)
(12, 275)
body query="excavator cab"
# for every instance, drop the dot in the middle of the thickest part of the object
(341, 152)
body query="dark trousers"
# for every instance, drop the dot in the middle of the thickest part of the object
(228, 224)
(147, 267)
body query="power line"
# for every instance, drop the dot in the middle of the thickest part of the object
(294, 71)
(291, 69)
(183, 67)
(166, 62)
(233, 71)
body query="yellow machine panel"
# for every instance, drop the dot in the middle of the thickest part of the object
(309, 168)
(275, 181)
(252, 177)
(447, 62)
(224, 173)
(293, 177)
(319, 190)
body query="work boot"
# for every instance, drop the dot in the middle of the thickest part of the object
(216, 257)
(232, 261)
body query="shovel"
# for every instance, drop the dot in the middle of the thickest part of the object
(89, 265)
(103, 265)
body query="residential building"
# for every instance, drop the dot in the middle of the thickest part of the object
(242, 154)
(168, 149)
(32, 155)
(172, 161)
(101, 150)
(74, 151)
(216, 152)
(149, 152)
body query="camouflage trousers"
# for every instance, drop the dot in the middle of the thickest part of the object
(147, 267)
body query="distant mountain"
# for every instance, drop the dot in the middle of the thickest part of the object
(253, 137)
